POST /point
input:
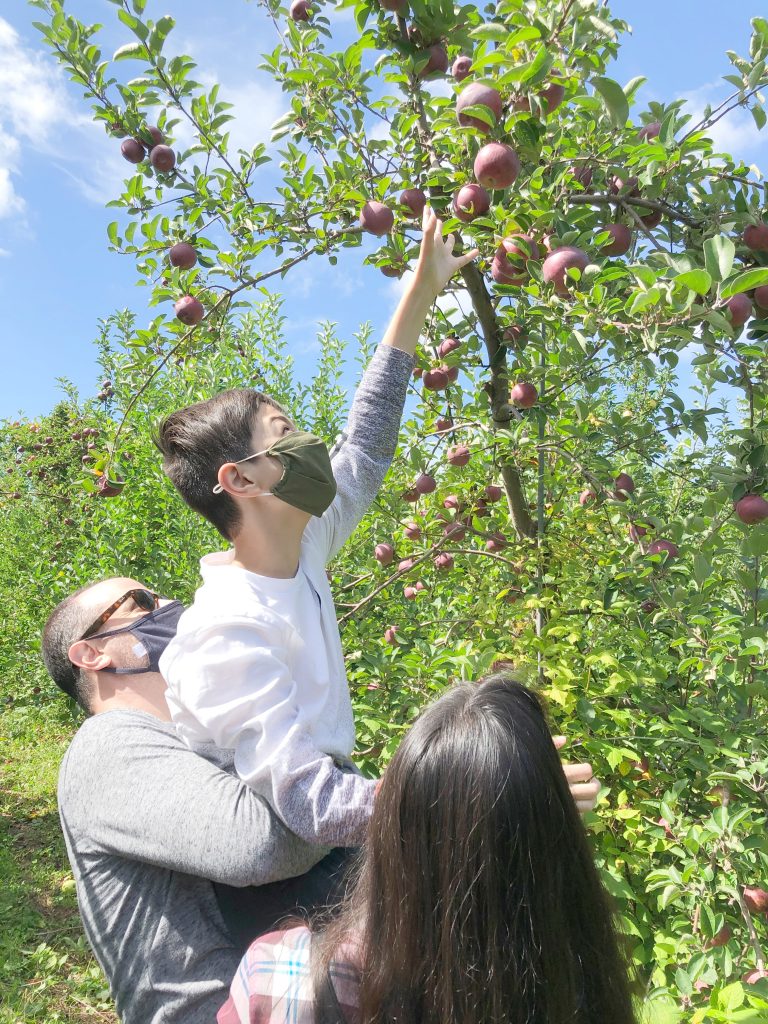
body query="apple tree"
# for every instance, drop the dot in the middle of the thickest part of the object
(555, 500)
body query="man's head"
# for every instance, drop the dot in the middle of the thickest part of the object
(203, 443)
(89, 648)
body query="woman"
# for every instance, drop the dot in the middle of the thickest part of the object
(477, 899)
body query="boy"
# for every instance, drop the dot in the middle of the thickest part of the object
(256, 665)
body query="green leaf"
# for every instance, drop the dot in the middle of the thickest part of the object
(131, 51)
(614, 98)
(702, 568)
(698, 281)
(759, 116)
(731, 997)
(744, 282)
(718, 256)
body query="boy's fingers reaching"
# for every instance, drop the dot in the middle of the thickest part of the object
(559, 741)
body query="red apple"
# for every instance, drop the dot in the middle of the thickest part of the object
(108, 488)
(158, 139)
(761, 300)
(513, 333)
(300, 10)
(452, 502)
(636, 531)
(133, 150)
(583, 174)
(721, 939)
(649, 131)
(502, 272)
(435, 380)
(447, 346)
(521, 103)
(425, 484)
(558, 262)
(619, 242)
(376, 218)
(623, 482)
(648, 606)
(756, 237)
(752, 977)
(586, 497)
(656, 547)
(458, 456)
(189, 310)
(462, 67)
(478, 95)
(384, 553)
(413, 199)
(412, 530)
(493, 492)
(406, 564)
(417, 373)
(739, 307)
(756, 900)
(444, 423)
(552, 96)
(629, 188)
(523, 395)
(496, 165)
(162, 158)
(409, 592)
(182, 255)
(471, 201)
(398, 6)
(517, 250)
(438, 60)
(751, 509)
(652, 219)
(444, 561)
(390, 635)
(663, 823)
(451, 372)
(496, 542)
(455, 531)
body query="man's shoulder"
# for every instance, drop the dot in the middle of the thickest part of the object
(110, 735)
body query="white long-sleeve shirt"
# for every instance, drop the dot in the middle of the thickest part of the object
(257, 666)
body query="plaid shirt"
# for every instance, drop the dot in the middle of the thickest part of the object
(272, 984)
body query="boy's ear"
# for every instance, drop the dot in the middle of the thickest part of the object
(235, 481)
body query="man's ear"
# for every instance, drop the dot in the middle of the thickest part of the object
(86, 656)
(234, 481)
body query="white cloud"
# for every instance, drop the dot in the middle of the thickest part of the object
(10, 203)
(736, 133)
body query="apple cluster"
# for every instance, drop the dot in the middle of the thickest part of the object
(161, 156)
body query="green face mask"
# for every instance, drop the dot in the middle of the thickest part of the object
(307, 482)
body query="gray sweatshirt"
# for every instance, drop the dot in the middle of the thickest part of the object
(149, 825)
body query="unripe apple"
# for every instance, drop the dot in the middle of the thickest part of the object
(162, 158)
(376, 218)
(493, 492)
(739, 308)
(435, 380)
(649, 131)
(390, 635)
(586, 497)
(384, 553)
(462, 67)
(720, 939)
(496, 165)
(756, 237)
(552, 96)
(189, 310)
(623, 482)
(496, 542)
(448, 346)
(182, 255)
(300, 10)
(444, 423)
(414, 200)
(425, 484)
(478, 95)
(444, 561)
(619, 242)
(437, 63)
(751, 509)
(132, 150)
(523, 395)
(756, 899)
(458, 456)
(471, 201)
(452, 502)
(412, 530)
(558, 262)
(406, 564)
(657, 547)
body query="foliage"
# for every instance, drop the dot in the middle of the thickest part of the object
(654, 666)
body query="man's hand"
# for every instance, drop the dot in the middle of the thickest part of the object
(583, 785)
(437, 264)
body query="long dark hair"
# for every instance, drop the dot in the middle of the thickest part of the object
(477, 899)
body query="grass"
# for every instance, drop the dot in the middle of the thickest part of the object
(47, 970)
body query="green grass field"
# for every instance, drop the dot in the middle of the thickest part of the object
(47, 971)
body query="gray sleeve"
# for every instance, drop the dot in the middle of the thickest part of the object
(363, 453)
(130, 787)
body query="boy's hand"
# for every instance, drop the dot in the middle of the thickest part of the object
(583, 785)
(437, 264)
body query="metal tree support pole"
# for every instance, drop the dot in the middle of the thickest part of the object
(540, 524)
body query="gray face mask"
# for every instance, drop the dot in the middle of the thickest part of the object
(307, 482)
(153, 631)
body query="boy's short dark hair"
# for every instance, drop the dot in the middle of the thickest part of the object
(197, 440)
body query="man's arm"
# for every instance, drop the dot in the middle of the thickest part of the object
(363, 453)
(129, 786)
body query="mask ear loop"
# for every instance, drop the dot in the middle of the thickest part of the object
(218, 489)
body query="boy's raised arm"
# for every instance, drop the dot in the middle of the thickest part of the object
(363, 453)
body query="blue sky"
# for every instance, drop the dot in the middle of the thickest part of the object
(57, 170)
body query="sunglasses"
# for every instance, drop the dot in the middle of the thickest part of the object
(147, 600)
